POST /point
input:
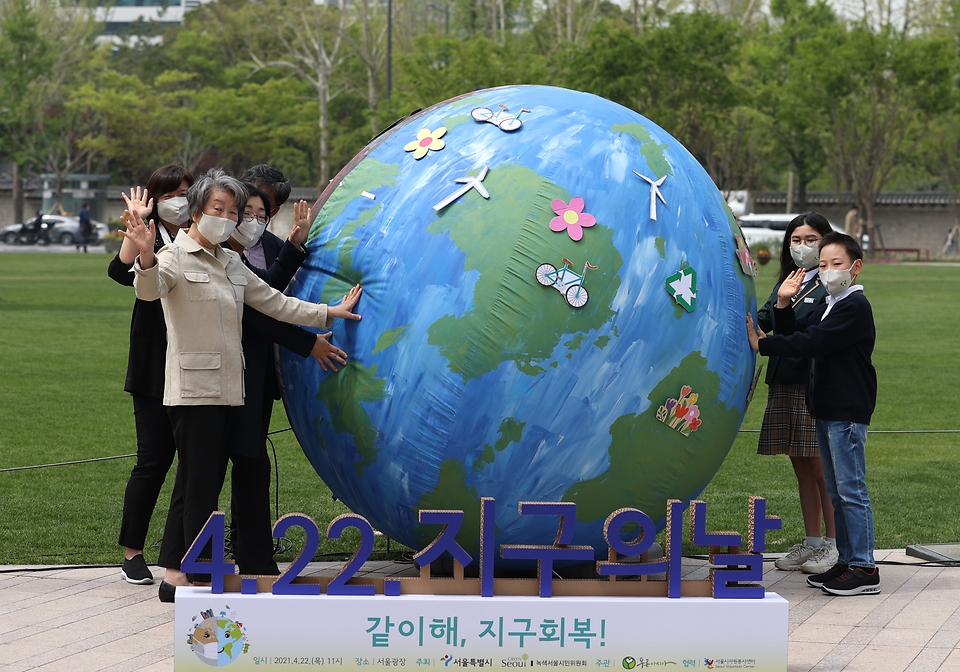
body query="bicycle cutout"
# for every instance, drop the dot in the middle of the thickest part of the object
(566, 281)
(503, 121)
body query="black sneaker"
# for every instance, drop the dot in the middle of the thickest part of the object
(817, 580)
(854, 581)
(135, 570)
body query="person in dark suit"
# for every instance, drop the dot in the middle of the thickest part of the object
(252, 538)
(145, 369)
(86, 228)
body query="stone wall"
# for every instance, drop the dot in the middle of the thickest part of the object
(921, 226)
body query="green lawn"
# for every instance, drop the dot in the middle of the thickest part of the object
(63, 339)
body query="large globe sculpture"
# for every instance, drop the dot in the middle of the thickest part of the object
(554, 304)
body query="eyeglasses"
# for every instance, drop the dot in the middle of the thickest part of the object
(263, 219)
(809, 240)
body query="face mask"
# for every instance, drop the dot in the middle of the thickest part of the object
(836, 281)
(174, 210)
(805, 256)
(216, 229)
(245, 231)
(261, 227)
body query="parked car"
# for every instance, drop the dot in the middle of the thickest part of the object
(768, 227)
(61, 229)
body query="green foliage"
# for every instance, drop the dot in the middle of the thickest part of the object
(303, 85)
(782, 81)
(45, 50)
(441, 67)
(25, 56)
(678, 76)
(881, 89)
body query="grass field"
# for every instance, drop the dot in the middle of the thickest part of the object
(63, 348)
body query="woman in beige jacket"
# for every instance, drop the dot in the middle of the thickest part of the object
(202, 288)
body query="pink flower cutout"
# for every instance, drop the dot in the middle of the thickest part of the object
(571, 217)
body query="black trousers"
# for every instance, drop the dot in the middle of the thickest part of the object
(250, 507)
(155, 450)
(201, 434)
(250, 500)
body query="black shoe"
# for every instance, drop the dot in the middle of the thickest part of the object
(854, 581)
(135, 570)
(167, 593)
(817, 580)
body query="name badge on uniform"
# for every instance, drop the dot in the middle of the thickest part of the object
(809, 299)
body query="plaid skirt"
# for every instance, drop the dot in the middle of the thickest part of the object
(787, 426)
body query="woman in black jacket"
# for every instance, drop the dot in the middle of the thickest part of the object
(788, 428)
(145, 370)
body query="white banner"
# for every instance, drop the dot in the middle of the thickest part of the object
(263, 631)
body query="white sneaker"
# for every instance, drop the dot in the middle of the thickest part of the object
(793, 560)
(822, 559)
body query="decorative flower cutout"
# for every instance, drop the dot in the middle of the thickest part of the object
(426, 140)
(571, 217)
(681, 414)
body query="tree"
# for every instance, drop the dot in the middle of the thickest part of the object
(439, 68)
(784, 82)
(44, 51)
(743, 152)
(26, 56)
(678, 76)
(881, 89)
(143, 125)
(367, 37)
(310, 37)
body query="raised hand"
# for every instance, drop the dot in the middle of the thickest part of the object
(326, 353)
(790, 288)
(344, 308)
(137, 201)
(142, 235)
(301, 225)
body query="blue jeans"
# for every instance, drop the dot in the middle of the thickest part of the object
(843, 453)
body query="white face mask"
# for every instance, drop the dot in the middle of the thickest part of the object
(836, 281)
(261, 227)
(216, 229)
(245, 231)
(805, 256)
(174, 210)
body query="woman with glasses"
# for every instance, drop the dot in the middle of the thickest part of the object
(788, 428)
(251, 536)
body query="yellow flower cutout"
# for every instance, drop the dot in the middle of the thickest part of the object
(426, 140)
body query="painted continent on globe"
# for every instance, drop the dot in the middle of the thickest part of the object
(477, 369)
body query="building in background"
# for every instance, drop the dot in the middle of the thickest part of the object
(118, 16)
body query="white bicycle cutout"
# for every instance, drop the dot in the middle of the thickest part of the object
(505, 122)
(566, 281)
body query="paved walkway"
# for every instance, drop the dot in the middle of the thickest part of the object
(88, 619)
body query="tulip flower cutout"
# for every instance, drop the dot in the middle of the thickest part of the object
(426, 140)
(571, 218)
(681, 414)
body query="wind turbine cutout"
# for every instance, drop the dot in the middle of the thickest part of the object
(654, 193)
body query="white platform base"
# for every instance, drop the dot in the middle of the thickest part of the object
(247, 632)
